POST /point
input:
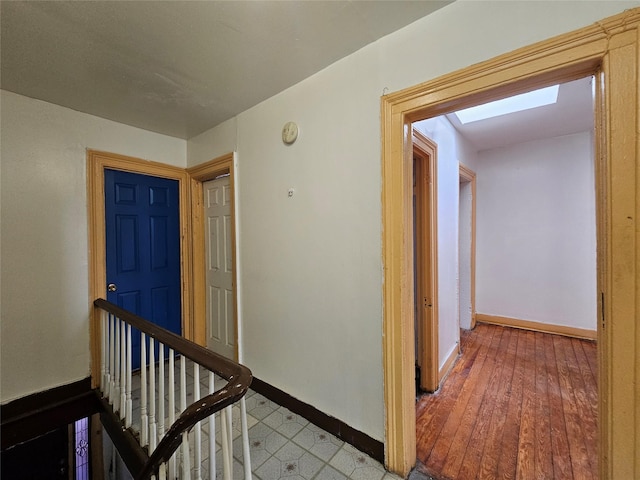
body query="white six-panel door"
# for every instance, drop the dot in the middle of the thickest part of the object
(221, 327)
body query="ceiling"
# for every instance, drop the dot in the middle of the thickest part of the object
(177, 67)
(572, 113)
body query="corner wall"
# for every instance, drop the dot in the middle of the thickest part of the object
(536, 237)
(44, 270)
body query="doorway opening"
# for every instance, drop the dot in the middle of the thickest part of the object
(608, 50)
(215, 292)
(537, 230)
(192, 232)
(98, 163)
(467, 248)
(425, 244)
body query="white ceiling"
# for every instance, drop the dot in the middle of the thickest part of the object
(572, 113)
(178, 67)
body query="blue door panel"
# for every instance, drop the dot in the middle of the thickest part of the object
(160, 304)
(158, 228)
(127, 247)
(143, 248)
(129, 301)
(159, 196)
(125, 194)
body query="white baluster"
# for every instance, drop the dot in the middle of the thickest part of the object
(129, 367)
(144, 418)
(212, 431)
(104, 386)
(112, 347)
(123, 370)
(197, 452)
(162, 472)
(116, 392)
(246, 457)
(107, 380)
(225, 429)
(186, 461)
(229, 413)
(153, 434)
(172, 407)
(160, 391)
(183, 384)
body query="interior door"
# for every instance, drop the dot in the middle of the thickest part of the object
(142, 234)
(221, 325)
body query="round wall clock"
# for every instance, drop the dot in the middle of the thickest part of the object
(289, 132)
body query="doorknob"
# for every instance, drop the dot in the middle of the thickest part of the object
(112, 287)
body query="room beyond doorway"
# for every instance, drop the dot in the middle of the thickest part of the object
(536, 197)
(535, 226)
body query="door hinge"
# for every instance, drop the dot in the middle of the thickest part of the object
(602, 310)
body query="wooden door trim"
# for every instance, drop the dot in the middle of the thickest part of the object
(609, 50)
(198, 175)
(428, 235)
(469, 176)
(97, 162)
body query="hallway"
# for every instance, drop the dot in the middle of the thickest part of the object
(517, 404)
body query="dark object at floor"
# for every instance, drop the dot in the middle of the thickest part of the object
(44, 457)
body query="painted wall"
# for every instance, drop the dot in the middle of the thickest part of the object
(311, 278)
(45, 305)
(544, 268)
(536, 232)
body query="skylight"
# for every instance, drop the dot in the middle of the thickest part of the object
(517, 103)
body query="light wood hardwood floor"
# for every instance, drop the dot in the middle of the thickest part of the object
(517, 405)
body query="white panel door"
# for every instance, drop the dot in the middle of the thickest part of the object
(221, 325)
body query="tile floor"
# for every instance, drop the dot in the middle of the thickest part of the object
(283, 445)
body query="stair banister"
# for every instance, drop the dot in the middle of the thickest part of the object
(238, 379)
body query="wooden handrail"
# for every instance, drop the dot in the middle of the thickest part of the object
(238, 379)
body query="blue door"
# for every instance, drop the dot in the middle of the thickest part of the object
(142, 222)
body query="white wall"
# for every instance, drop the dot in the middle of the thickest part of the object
(312, 275)
(312, 269)
(536, 235)
(45, 305)
(213, 143)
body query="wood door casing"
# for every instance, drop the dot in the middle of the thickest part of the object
(198, 175)
(426, 260)
(469, 176)
(97, 163)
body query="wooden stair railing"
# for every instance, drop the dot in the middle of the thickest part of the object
(116, 326)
